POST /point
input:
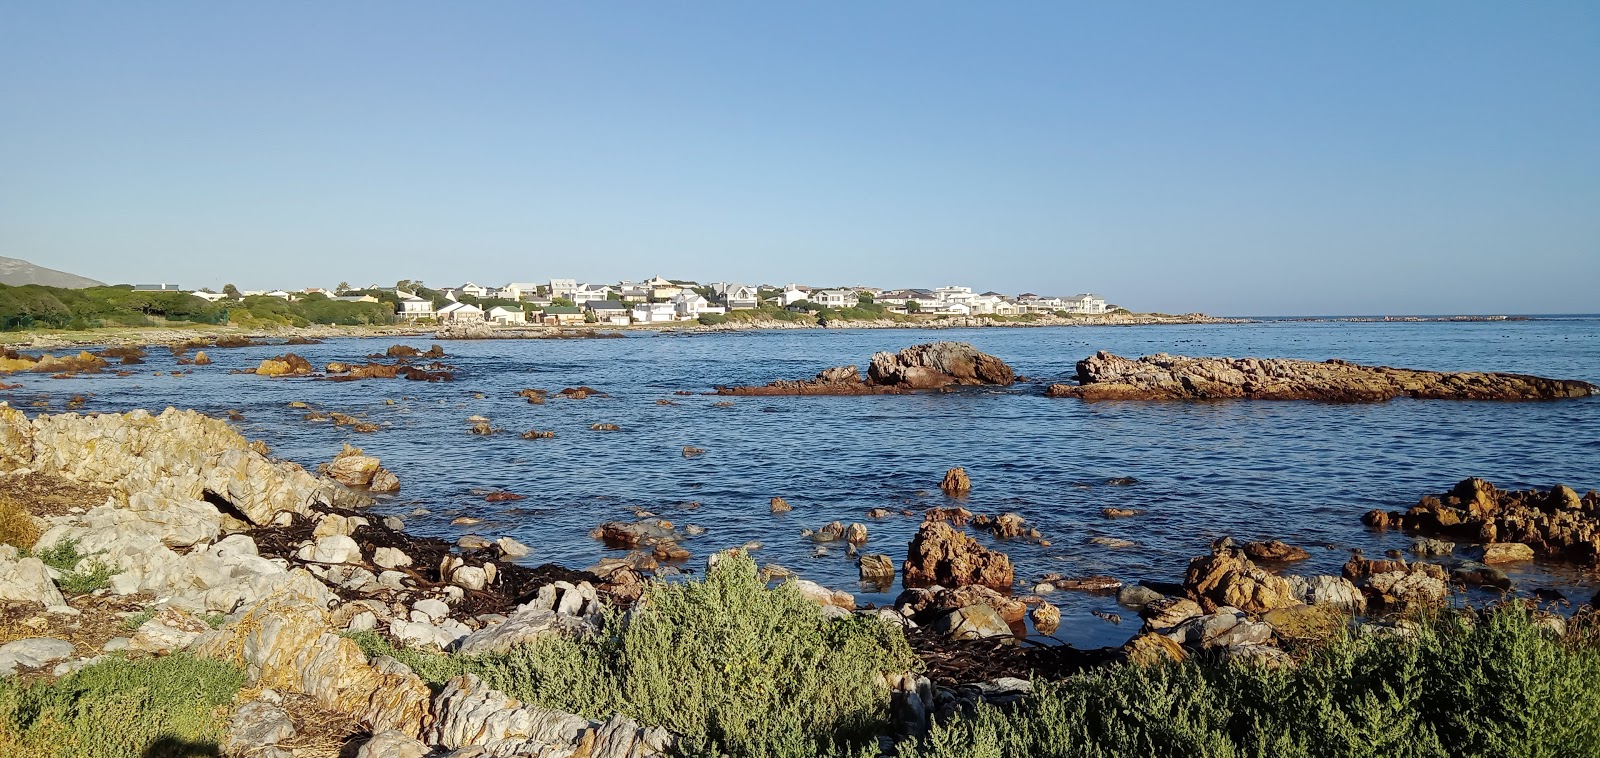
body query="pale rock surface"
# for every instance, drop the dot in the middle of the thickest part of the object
(28, 580)
(468, 713)
(167, 631)
(523, 627)
(32, 653)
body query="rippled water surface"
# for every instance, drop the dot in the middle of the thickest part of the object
(1301, 472)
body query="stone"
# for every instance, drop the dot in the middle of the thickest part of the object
(523, 627)
(1479, 575)
(469, 577)
(1506, 552)
(384, 480)
(167, 631)
(1426, 547)
(823, 596)
(1115, 513)
(1257, 655)
(333, 523)
(285, 642)
(920, 367)
(1167, 613)
(1115, 543)
(1403, 588)
(972, 622)
(468, 713)
(353, 468)
(256, 724)
(1274, 551)
(1305, 622)
(941, 555)
(393, 744)
(28, 580)
(1332, 591)
(1150, 649)
(288, 364)
(1137, 595)
(876, 568)
(390, 558)
(779, 505)
(1105, 376)
(511, 548)
(332, 548)
(1046, 618)
(956, 482)
(435, 609)
(1227, 578)
(856, 534)
(1094, 584)
(1228, 627)
(32, 653)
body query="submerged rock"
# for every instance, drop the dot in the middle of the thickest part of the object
(1174, 377)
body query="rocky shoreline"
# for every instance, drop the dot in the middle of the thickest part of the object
(195, 522)
(1105, 376)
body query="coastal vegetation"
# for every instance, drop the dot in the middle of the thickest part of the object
(36, 306)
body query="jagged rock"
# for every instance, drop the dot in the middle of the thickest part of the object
(1257, 655)
(823, 596)
(1555, 524)
(32, 653)
(288, 364)
(779, 505)
(353, 468)
(925, 604)
(1114, 513)
(1094, 584)
(1274, 551)
(435, 608)
(943, 556)
(286, 642)
(876, 568)
(1402, 588)
(938, 364)
(470, 577)
(28, 580)
(511, 548)
(1171, 377)
(956, 482)
(1332, 591)
(468, 713)
(1227, 578)
(523, 627)
(646, 532)
(1426, 547)
(972, 622)
(169, 630)
(1479, 575)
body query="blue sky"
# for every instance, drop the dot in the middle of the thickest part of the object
(1240, 158)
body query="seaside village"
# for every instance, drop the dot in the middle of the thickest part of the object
(658, 300)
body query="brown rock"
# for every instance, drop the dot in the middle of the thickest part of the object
(1121, 512)
(1506, 552)
(1226, 577)
(1046, 618)
(941, 555)
(1274, 551)
(1097, 584)
(956, 482)
(920, 367)
(1169, 377)
(1151, 649)
(352, 468)
(876, 568)
(779, 505)
(287, 364)
(957, 516)
(201, 359)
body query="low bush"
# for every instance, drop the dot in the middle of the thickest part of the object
(168, 706)
(1494, 684)
(17, 527)
(712, 319)
(734, 667)
(78, 576)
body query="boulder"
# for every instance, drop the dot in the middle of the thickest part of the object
(1151, 649)
(956, 482)
(1167, 613)
(32, 653)
(876, 568)
(1227, 578)
(1137, 595)
(779, 505)
(1274, 551)
(1305, 622)
(1506, 552)
(1046, 618)
(28, 580)
(972, 622)
(167, 631)
(468, 713)
(823, 596)
(1405, 588)
(938, 364)
(941, 555)
(255, 725)
(1227, 627)
(523, 627)
(1332, 591)
(390, 558)
(353, 468)
(284, 365)
(925, 604)
(393, 744)
(331, 548)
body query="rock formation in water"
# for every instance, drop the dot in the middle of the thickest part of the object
(944, 556)
(930, 366)
(1174, 377)
(1557, 524)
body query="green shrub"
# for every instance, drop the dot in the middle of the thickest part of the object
(78, 576)
(1495, 686)
(173, 705)
(736, 668)
(712, 319)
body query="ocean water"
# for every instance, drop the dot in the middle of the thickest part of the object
(1300, 472)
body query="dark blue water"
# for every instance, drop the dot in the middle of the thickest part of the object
(1300, 472)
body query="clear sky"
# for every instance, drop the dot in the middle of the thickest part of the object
(1236, 158)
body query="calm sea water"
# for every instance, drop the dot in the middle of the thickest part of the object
(1300, 472)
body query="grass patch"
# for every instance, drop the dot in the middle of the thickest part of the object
(17, 526)
(173, 705)
(78, 576)
(1497, 685)
(736, 668)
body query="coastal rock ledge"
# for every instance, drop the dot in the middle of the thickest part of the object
(930, 366)
(1175, 377)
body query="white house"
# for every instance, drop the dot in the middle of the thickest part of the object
(519, 290)
(607, 311)
(503, 315)
(835, 298)
(592, 292)
(953, 294)
(563, 287)
(793, 293)
(1088, 302)
(460, 312)
(412, 307)
(693, 305)
(654, 313)
(737, 296)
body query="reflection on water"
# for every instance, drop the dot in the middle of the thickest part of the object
(1300, 472)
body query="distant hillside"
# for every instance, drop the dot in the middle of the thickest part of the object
(15, 271)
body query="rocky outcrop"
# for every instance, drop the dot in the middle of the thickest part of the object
(956, 482)
(1512, 525)
(946, 557)
(1174, 377)
(27, 580)
(462, 329)
(84, 362)
(931, 366)
(1227, 577)
(287, 364)
(353, 468)
(468, 713)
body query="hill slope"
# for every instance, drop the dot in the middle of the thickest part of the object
(15, 271)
